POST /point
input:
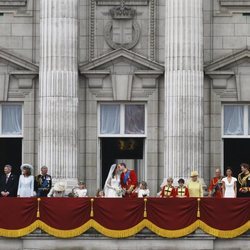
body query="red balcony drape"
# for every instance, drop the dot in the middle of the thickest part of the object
(118, 218)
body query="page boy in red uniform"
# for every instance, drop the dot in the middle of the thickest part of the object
(168, 191)
(181, 191)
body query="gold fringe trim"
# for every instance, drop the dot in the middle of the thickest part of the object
(118, 233)
(227, 234)
(18, 232)
(171, 233)
(127, 232)
(64, 233)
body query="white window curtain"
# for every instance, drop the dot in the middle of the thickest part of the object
(110, 119)
(134, 119)
(233, 120)
(11, 119)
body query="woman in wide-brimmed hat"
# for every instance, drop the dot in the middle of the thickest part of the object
(58, 190)
(26, 182)
(195, 186)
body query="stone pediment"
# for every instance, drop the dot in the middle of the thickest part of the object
(22, 64)
(234, 67)
(228, 61)
(24, 71)
(120, 66)
(115, 56)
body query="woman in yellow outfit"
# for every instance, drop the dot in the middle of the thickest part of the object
(195, 186)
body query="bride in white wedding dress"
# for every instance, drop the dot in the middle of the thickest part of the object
(112, 186)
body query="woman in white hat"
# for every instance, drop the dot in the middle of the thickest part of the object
(58, 190)
(195, 186)
(26, 182)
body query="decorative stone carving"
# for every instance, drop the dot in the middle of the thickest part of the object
(122, 31)
(216, 71)
(122, 12)
(148, 71)
(152, 28)
(92, 30)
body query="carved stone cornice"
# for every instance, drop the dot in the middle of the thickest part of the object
(117, 2)
(121, 53)
(235, 3)
(13, 3)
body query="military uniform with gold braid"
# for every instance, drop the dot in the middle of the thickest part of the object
(244, 184)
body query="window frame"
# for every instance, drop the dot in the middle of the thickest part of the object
(122, 119)
(246, 129)
(9, 135)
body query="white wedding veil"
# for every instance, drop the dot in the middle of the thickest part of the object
(106, 186)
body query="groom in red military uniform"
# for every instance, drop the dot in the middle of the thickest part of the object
(128, 181)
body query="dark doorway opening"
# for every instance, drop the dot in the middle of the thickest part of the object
(113, 149)
(236, 151)
(11, 153)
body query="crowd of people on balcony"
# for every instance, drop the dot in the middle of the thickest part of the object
(122, 182)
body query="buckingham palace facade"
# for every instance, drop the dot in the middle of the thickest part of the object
(161, 85)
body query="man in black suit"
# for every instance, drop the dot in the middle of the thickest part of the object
(8, 183)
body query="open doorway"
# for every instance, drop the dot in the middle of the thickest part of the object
(11, 153)
(127, 150)
(236, 151)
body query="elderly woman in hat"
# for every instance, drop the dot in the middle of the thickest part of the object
(26, 182)
(195, 186)
(58, 190)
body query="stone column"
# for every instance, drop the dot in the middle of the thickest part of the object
(58, 87)
(183, 128)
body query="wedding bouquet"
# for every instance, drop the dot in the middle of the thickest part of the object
(119, 191)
